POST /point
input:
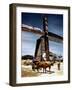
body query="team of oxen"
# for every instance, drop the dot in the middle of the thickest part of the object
(37, 65)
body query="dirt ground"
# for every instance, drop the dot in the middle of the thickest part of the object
(26, 71)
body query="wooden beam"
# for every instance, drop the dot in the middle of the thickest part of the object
(52, 36)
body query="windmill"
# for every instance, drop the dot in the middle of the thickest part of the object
(42, 45)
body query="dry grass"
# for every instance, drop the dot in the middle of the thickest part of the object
(29, 73)
(26, 62)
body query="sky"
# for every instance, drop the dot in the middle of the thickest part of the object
(55, 25)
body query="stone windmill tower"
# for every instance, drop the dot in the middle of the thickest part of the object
(42, 44)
